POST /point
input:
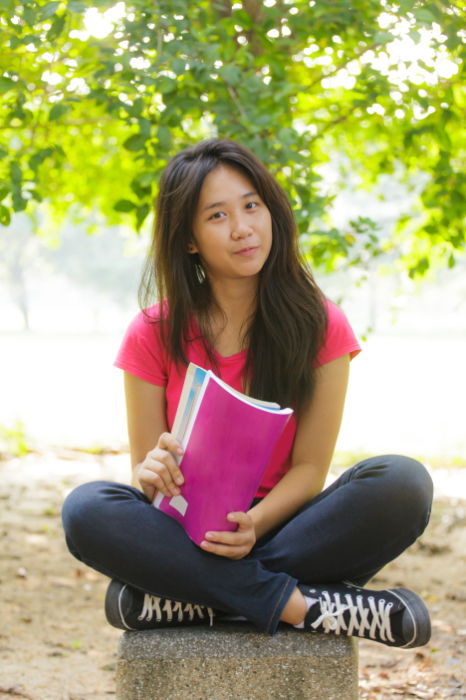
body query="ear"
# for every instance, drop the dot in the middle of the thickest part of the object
(192, 248)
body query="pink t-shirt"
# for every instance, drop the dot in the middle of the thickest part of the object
(143, 354)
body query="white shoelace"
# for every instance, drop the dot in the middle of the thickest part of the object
(173, 610)
(374, 618)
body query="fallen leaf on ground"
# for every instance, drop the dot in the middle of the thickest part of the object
(15, 692)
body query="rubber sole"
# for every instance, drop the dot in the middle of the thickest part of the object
(416, 621)
(113, 605)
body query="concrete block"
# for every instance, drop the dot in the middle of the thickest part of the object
(233, 661)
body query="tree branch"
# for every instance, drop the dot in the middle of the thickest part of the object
(234, 96)
(226, 10)
(336, 121)
(254, 8)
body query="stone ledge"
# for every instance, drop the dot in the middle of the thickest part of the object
(235, 662)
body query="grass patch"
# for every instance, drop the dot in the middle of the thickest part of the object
(14, 440)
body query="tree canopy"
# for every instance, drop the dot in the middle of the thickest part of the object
(96, 97)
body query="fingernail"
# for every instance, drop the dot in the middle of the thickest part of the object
(179, 480)
(176, 492)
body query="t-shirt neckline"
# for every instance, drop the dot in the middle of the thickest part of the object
(222, 358)
(229, 358)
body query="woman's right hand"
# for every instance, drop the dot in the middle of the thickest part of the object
(159, 471)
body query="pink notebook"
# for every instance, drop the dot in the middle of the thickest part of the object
(228, 440)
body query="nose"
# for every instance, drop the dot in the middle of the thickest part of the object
(240, 227)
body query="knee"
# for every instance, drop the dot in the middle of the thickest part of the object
(88, 509)
(410, 487)
(93, 507)
(78, 507)
(405, 487)
(410, 477)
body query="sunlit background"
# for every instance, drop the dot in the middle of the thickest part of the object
(64, 310)
(66, 298)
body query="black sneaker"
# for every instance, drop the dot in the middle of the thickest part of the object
(130, 609)
(396, 617)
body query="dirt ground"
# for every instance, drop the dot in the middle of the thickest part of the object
(56, 645)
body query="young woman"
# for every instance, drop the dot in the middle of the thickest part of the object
(236, 298)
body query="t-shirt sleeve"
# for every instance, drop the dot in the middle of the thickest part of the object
(142, 352)
(340, 338)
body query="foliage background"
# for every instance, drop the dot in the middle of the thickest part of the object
(357, 107)
(95, 97)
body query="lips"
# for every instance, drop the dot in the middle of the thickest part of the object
(249, 250)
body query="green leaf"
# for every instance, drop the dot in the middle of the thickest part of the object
(57, 27)
(422, 14)
(15, 173)
(383, 37)
(124, 205)
(164, 136)
(166, 85)
(5, 216)
(77, 6)
(135, 110)
(135, 143)
(58, 110)
(16, 41)
(33, 39)
(19, 203)
(179, 66)
(419, 268)
(243, 18)
(141, 191)
(36, 196)
(407, 5)
(38, 158)
(31, 16)
(145, 179)
(230, 74)
(145, 126)
(48, 10)
(148, 80)
(141, 215)
(7, 84)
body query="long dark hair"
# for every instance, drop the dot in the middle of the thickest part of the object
(286, 330)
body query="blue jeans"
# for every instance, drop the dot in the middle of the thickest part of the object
(366, 518)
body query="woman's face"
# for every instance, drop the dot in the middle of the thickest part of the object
(232, 227)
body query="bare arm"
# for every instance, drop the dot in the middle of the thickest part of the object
(151, 446)
(313, 449)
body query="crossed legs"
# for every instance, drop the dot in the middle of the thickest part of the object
(366, 518)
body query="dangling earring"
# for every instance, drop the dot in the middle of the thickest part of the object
(200, 274)
(199, 271)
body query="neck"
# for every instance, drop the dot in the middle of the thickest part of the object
(229, 318)
(235, 298)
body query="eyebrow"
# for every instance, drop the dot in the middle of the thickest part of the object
(214, 205)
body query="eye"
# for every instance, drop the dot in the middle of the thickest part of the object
(217, 215)
(252, 205)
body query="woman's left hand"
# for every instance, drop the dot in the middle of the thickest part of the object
(234, 545)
